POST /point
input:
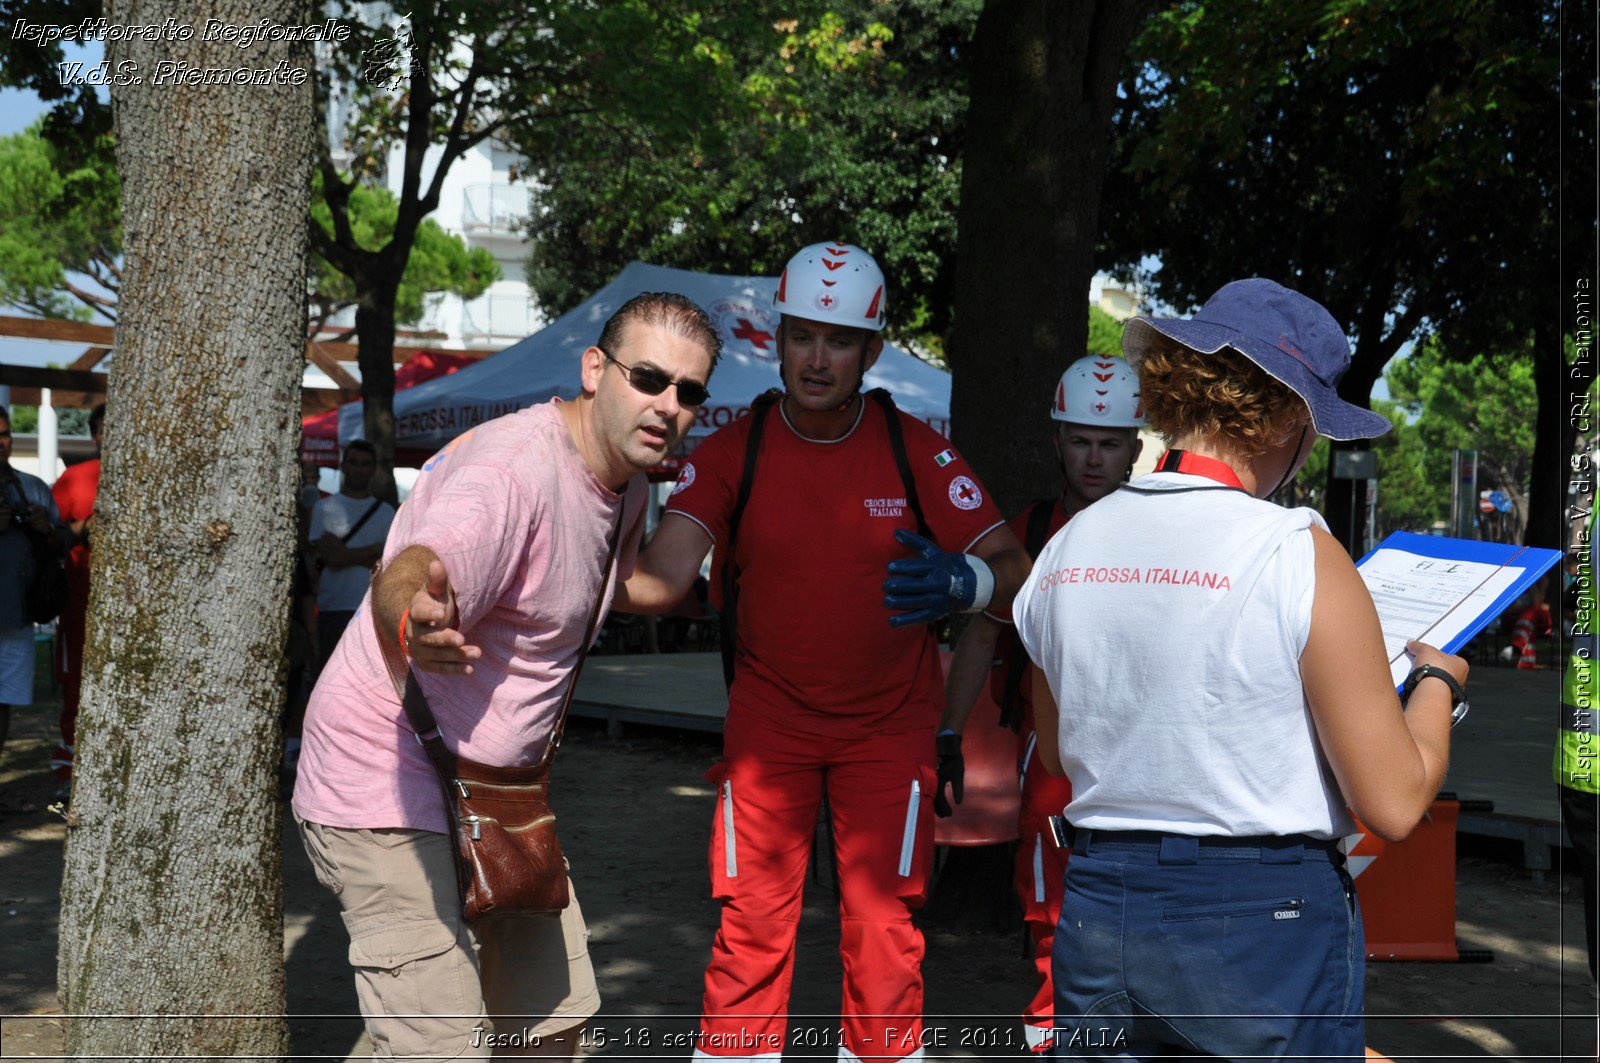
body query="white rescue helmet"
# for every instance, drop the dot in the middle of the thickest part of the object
(835, 283)
(1101, 391)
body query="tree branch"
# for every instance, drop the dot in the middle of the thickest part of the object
(455, 144)
(94, 302)
(336, 193)
(419, 124)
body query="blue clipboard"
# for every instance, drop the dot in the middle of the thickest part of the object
(1534, 561)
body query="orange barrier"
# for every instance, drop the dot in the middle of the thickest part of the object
(1408, 889)
(987, 814)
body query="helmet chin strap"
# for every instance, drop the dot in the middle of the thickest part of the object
(861, 378)
(1290, 469)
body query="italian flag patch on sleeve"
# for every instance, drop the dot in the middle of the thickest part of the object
(944, 457)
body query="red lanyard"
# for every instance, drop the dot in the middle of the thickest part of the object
(1198, 465)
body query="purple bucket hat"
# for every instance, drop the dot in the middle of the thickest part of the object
(1292, 338)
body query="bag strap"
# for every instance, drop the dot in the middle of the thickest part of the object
(415, 702)
(351, 534)
(728, 622)
(1038, 528)
(897, 443)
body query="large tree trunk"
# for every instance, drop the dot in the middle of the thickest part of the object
(171, 916)
(1044, 78)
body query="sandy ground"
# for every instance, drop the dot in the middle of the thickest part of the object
(635, 817)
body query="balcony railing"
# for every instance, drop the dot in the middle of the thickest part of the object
(497, 316)
(494, 208)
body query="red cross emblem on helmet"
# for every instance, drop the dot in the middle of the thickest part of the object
(839, 282)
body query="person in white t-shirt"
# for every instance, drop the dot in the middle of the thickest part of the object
(347, 534)
(1218, 694)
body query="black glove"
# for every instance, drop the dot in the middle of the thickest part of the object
(952, 770)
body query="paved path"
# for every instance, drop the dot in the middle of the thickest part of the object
(1501, 752)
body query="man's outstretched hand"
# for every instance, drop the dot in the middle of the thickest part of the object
(432, 641)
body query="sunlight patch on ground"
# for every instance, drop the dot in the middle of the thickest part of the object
(1505, 946)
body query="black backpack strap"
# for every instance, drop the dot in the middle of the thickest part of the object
(1037, 530)
(728, 622)
(357, 526)
(897, 443)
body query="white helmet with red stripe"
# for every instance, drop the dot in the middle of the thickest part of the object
(835, 283)
(1099, 390)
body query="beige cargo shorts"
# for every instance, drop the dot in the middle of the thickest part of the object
(430, 985)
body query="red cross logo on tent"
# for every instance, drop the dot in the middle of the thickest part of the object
(752, 335)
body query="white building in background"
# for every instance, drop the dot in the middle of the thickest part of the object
(482, 203)
(1116, 299)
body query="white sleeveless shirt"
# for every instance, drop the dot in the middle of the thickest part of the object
(1169, 623)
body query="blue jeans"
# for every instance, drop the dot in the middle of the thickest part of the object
(1171, 946)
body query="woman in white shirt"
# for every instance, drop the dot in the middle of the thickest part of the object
(1224, 695)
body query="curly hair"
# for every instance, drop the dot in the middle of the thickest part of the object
(1189, 394)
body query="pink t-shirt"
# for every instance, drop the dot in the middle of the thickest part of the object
(522, 527)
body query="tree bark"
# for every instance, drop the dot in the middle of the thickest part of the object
(171, 921)
(1044, 78)
(378, 290)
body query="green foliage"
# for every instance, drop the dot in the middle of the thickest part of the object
(64, 225)
(1487, 403)
(61, 224)
(1392, 158)
(1105, 333)
(70, 421)
(837, 121)
(439, 261)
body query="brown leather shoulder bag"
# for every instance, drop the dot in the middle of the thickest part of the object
(508, 858)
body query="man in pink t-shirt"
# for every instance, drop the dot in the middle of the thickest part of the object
(489, 577)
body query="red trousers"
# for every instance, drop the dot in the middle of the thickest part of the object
(1041, 873)
(70, 634)
(770, 783)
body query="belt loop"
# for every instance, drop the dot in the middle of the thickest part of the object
(1080, 839)
(1293, 853)
(1179, 849)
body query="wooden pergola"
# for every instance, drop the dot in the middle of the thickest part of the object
(81, 384)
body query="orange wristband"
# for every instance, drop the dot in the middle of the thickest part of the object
(402, 638)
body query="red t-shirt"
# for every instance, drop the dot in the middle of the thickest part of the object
(816, 652)
(75, 492)
(1008, 640)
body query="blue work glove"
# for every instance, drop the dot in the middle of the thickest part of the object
(922, 589)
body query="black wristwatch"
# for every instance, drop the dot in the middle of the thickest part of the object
(1458, 697)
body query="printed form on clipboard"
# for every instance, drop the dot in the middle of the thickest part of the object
(1444, 591)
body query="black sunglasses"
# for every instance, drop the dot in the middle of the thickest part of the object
(654, 381)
